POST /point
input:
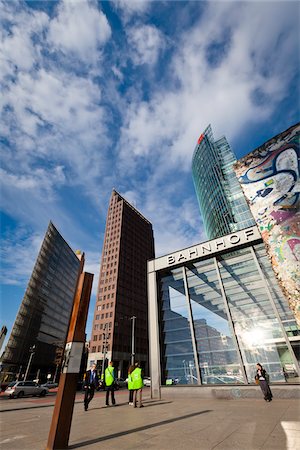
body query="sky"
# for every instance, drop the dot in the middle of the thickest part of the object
(101, 95)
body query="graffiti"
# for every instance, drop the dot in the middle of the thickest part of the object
(270, 178)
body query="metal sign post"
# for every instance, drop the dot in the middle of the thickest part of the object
(63, 410)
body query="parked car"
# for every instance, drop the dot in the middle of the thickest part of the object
(21, 388)
(147, 381)
(49, 385)
(120, 383)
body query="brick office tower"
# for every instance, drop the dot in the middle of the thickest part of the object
(122, 290)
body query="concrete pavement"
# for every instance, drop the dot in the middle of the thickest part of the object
(178, 421)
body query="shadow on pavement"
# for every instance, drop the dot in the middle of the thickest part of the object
(146, 405)
(136, 430)
(21, 408)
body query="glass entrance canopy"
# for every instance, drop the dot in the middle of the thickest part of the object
(218, 316)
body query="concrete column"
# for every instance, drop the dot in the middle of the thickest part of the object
(154, 345)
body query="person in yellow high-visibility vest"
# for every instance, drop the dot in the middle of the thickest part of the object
(137, 384)
(110, 384)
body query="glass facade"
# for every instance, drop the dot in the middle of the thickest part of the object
(44, 314)
(220, 316)
(222, 204)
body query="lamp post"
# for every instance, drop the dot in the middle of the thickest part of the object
(19, 373)
(132, 339)
(32, 352)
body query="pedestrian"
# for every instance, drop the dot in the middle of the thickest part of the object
(130, 384)
(91, 383)
(110, 383)
(263, 379)
(137, 385)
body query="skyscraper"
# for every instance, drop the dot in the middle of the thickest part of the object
(220, 197)
(42, 321)
(122, 291)
(2, 335)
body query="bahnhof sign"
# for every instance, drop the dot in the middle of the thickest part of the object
(215, 310)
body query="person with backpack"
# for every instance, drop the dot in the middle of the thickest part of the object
(110, 383)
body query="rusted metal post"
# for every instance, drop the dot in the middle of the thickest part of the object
(63, 410)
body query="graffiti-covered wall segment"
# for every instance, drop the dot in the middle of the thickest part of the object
(270, 178)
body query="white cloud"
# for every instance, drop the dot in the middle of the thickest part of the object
(39, 179)
(92, 265)
(254, 59)
(79, 29)
(132, 8)
(146, 42)
(19, 251)
(17, 50)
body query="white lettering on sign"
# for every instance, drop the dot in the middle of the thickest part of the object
(209, 248)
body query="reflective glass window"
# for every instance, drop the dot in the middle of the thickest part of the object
(178, 359)
(257, 328)
(218, 357)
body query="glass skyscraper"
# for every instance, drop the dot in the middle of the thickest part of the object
(43, 318)
(222, 203)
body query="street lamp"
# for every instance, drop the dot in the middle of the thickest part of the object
(32, 352)
(132, 339)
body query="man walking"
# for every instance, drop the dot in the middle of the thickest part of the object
(110, 383)
(91, 383)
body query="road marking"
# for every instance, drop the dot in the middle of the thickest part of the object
(11, 439)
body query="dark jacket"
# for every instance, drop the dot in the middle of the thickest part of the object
(87, 379)
(263, 374)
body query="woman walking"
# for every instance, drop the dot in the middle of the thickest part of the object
(262, 377)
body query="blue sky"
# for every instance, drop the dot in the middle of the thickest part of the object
(102, 95)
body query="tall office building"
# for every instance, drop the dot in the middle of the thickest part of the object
(2, 335)
(122, 291)
(40, 328)
(222, 203)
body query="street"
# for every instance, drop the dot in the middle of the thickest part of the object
(174, 422)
